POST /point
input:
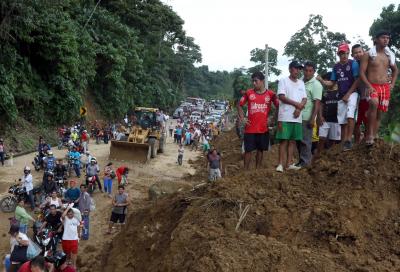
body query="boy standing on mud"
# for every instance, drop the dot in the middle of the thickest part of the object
(293, 98)
(259, 102)
(374, 73)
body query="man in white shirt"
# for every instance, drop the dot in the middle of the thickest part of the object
(27, 183)
(71, 235)
(292, 100)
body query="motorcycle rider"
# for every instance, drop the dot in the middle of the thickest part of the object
(49, 184)
(53, 222)
(42, 149)
(50, 161)
(60, 170)
(27, 183)
(92, 170)
(60, 263)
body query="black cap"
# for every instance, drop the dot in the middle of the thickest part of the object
(295, 64)
(14, 229)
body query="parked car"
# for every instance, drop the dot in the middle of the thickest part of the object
(177, 113)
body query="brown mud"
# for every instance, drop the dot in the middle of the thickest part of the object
(340, 215)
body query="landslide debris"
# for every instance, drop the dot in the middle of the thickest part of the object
(340, 215)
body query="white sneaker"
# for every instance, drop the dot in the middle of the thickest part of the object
(279, 168)
(294, 167)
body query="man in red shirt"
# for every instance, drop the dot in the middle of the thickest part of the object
(259, 101)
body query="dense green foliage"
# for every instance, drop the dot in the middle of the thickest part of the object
(121, 53)
(314, 42)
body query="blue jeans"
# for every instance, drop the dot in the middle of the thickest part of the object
(23, 228)
(7, 263)
(2, 158)
(107, 185)
(77, 170)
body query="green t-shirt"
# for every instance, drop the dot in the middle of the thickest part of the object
(22, 216)
(314, 92)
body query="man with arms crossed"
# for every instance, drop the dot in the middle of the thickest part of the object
(309, 114)
(374, 72)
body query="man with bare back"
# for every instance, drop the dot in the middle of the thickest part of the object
(375, 65)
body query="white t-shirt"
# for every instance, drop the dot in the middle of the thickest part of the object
(13, 240)
(295, 91)
(70, 229)
(28, 182)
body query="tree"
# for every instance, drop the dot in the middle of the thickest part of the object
(241, 82)
(257, 55)
(389, 20)
(314, 42)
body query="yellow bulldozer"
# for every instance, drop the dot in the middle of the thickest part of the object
(143, 140)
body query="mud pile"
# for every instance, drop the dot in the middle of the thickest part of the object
(341, 215)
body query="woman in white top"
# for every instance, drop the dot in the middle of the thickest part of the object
(52, 200)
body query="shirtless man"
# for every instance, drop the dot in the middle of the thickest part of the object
(374, 72)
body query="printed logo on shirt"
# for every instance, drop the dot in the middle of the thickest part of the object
(255, 107)
(348, 68)
(267, 99)
(252, 96)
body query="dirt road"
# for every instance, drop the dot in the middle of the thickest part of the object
(162, 168)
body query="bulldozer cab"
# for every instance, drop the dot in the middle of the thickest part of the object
(146, 118)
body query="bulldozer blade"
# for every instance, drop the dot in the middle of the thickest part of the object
(126, 151)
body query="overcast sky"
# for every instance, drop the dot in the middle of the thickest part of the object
(227, 30)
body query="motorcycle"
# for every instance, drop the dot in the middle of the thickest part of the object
(46, 240)
(37, 162)
(61, 181)
(91, 184)
(16, 193)
(63, 142)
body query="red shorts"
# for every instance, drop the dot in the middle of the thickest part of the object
(362, 112)
(70, 246)
(382, 92)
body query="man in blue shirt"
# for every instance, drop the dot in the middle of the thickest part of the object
(76, 156)
(346, 74)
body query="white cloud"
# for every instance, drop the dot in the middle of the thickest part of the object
(227, 30)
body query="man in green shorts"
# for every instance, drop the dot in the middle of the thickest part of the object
(292, 100)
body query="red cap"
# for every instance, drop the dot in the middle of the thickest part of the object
(344, 47)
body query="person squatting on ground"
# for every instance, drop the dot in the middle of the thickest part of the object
(122, 175)
(292, 100)
(259, 102)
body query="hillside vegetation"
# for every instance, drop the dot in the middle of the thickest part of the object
(121, 53)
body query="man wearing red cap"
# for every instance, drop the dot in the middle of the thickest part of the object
(374, 73)
(345, 74)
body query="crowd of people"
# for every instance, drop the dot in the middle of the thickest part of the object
(315, 112)
(63, 207)
(196, 136)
